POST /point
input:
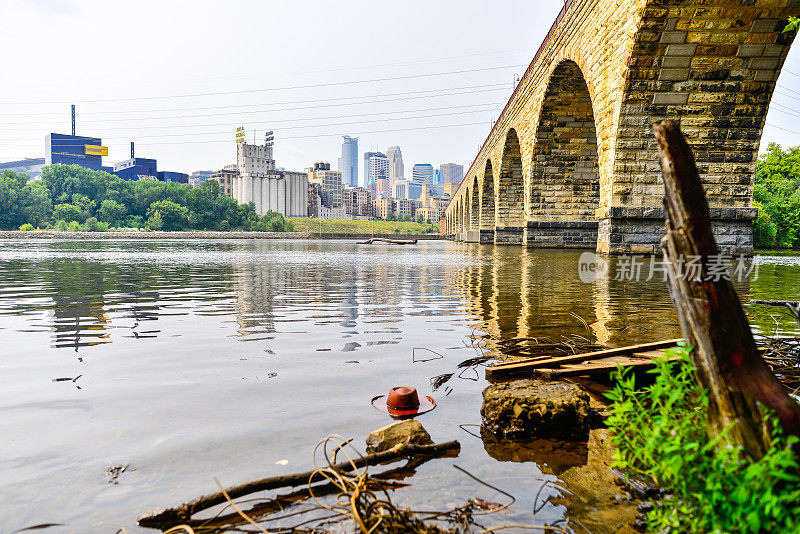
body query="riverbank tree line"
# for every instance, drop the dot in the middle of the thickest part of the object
(777, 197)
(70, 197)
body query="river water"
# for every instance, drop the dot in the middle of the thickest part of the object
(189, 360)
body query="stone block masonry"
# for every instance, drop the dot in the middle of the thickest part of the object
(571, 161)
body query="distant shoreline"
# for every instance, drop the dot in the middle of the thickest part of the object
(74, 236)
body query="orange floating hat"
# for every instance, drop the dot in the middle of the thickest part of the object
(403, 402)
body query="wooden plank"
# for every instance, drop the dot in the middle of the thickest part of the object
(593, 368)
(601, 353)
(652, 354)
(529, 365)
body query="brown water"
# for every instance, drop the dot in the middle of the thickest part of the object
(189, 360)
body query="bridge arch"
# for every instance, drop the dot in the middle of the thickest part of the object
(488, 204)
(565, 178)
(510, 192)
(474, 206)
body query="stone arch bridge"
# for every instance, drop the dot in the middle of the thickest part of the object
(571, 161)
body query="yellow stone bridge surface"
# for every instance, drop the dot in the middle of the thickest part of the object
(571, 161)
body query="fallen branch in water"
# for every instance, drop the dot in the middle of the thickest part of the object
(390, 241)
(792, 305)
(178, 514)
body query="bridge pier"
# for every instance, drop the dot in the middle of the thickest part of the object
(627, 230)
(561, 234)
(487, 236)
(509, 235)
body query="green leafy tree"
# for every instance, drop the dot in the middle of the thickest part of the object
(154, 222)
(21, 202)
(777, 194)
(112, 212)
(133, 221)
(174, 216)
(91, 225)
(67, 212)
(764, 230)
(26, 227)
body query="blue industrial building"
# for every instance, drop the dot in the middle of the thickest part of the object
(176, 177)
(88, 152)
(137, 168)
(75, 150)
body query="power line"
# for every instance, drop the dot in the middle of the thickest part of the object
(272, 89)
(781, 128)
(376, 66)
(308, 101)
(195, 115)
(277, 123)
(228, 140)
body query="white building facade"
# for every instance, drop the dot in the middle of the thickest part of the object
(285, 192)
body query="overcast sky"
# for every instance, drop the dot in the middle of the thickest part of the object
(179, 77)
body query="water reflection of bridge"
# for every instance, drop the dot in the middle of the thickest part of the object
(517, 292)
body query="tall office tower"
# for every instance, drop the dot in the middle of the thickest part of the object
(368, 155)
(423, 173)
(452, 173)
(378, 168)
(395, 158)
(349, 161)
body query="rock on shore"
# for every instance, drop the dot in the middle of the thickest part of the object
(533, 408)
(408, 431)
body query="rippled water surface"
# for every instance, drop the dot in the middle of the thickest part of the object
(188, 360)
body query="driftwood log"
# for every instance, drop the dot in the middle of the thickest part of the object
(711, 317)
(374, 240)
(176, 515)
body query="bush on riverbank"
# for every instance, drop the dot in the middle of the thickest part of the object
(659, 432)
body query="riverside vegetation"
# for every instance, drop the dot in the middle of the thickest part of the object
(777, 197)
(70, 197)
(660, 433)
(73, 198)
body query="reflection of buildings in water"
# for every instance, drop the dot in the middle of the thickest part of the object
(257, 285)
(78, 321)
(85, 294)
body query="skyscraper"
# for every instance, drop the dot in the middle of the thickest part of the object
(423, 173)
(368, 175)
(349, 161)
(379, 169)
(452, 173)
(396, 170)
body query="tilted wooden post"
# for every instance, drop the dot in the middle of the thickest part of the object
(710, 314)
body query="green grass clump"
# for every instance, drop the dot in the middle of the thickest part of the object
(359, 226)
(659, 432)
